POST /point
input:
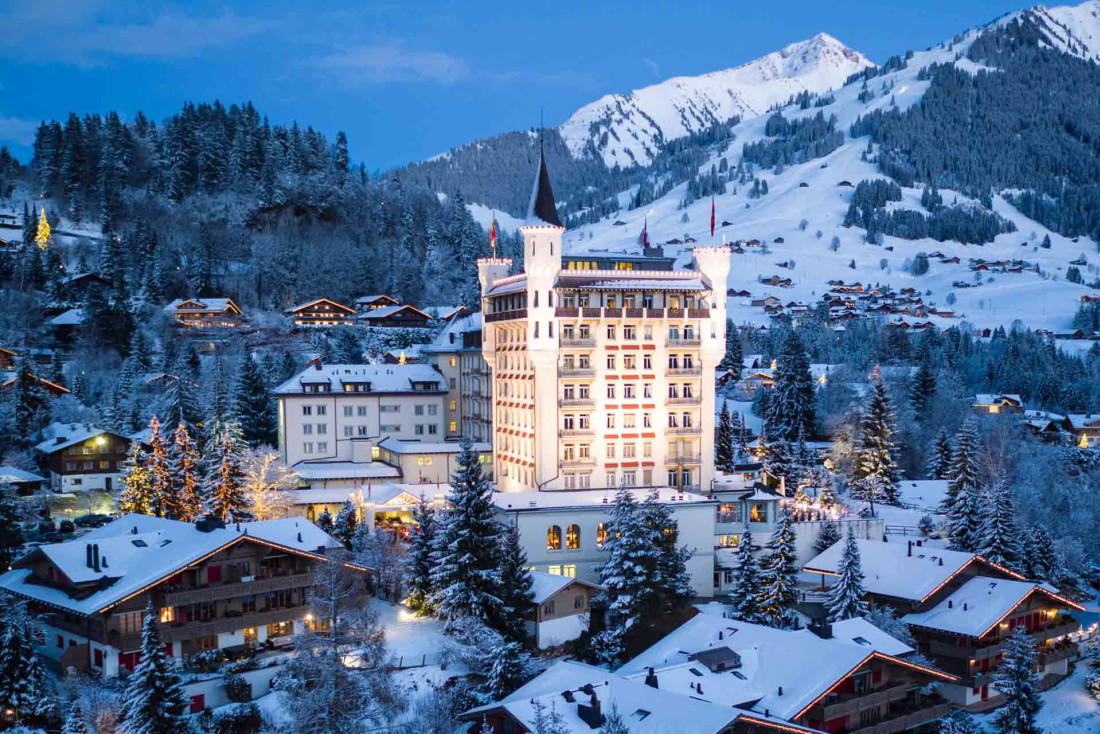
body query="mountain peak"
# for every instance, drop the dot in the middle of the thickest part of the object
(628, 129)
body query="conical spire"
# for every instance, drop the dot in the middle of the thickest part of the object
(542, 206)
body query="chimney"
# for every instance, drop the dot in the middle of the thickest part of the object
(941, 561)
(910, 551)
(103, 561)
(920, 543)
(317, 364)
(699, 687)
(88, 555)
(590, 714)
(651, 679)
(822, 628)
(719, 634)
(780, 690)
(950, 604)
(966, 607)
(95, 557)
(568, 696)
(299, 537)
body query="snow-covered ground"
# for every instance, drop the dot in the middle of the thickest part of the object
(1067, 708)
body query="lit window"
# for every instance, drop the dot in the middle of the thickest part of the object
(553, 538)
(573, 538)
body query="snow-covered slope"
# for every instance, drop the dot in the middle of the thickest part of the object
(628, 129)
(1074, 29)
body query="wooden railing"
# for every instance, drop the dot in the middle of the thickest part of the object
(232, 591)
(519, 313)
(907, 721)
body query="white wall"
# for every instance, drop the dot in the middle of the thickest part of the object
(553, 632)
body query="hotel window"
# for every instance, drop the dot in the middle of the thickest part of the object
(647, 390)
(348, 409)
(729, 541)
(585, 332)
(647, 420)
(647, 449)
(628, 333)
(322, 447)
(553, 538)
(647, 477)
(585, 480)
(569, 570)
(610, 420)
(687, 420)
(567, 422)
(568, 453)
(573, 538)
(673, 390)
(611, 331)
(610, 450)
(361, 411)
(570, 481)
(307, 429)
(758, 512)
(583, 392)
(672, 421)
(567, 392)
(601, 534)
(433, 410)
(322, 429)
(454, 427)
(567, 331)
(307, 447)
(583, 362)
(673, 476)
(629, 420)
(361, 430)
(674, 361)
(418, 410)
(348, 431)
(629, 362)
(628, 390)
(321, 410)
(611, 361)
(419, 430)
(582, 421)
(628, 479)
(611, 391)
(611, 478)
(453, 361)
(453, 405)
(554, 570)
(583, 451)
(648, 331)
(687, 390)
(307, 410)
(629, 450)
(688, 361)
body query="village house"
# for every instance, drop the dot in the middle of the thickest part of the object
(456, 353)
(8, 380)
(429, 462)
(960, 607)
(995, 404)
(560, 607)
(81, 457)
(367, 303)
(205, 313)
(321, 312)
(241, 588)
(24, 483)
(7, 359)
(393, 317)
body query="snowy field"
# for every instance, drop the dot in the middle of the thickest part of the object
(1067, 708)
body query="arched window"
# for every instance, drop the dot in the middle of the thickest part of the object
(553, 538)
(573, 537)
(601, 534)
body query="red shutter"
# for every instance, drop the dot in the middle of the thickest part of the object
(214, 575)
(198, 702)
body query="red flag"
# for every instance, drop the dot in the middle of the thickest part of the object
(712, 216)
(645, 233)
(493, 234)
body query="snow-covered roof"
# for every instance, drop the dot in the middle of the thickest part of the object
(307, 304)
(449, 338)
(401, 446)
(895, 569)
(779, 671)
(861, 632)
(441, 312)
(512, 284)
(533, 500)
(984, 398)
(202, 305)
(138, 551)
(545, 585)
(975, 607)
(72, 317)
(65, 435)
(383, 378)
(363, 300)
(1084, 420)
(12, 475)
(384, 311)
(312, 471)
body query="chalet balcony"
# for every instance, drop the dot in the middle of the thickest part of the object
(1056, 629)
(514, 315)
(849, 705)
(684, 371)
(577, 372)
(571, 343)
(177, 632)
(233, 591)
(577, 403)
(906, 721)
(576, 432)
(689, 400)
(683, 342)
(1062, 651)
(684, 431)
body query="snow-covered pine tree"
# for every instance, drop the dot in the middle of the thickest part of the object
(418, 562)
(1018, 683)
(1040, 559)
(876, 453)
(254, 408)
(508, 671)
(186, 503)
(733, 357)
(776, 457)
(963, 471)
(159, 466)
(779, 574)
(613, 722)
(137, 484)
(24, 687)
(11, 526)
(738, 434)
(846, 598)
(180, 404)
(922, 390)
(626, 576)
(999, 536)
(964, 520)
(347, 520)
(466, 577)
(791, 405)
(828, 536)
(74, 720)
(745, 597)
(723, 440)
(958, 722)
(672, 583)
(223, 488)
(153, 702)
(324, 521)
(939, 459)
(515, 585)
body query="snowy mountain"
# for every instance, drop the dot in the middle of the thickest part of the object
(629, 128)
(1074, 29)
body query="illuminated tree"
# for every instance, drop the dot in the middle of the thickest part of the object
(42, 236)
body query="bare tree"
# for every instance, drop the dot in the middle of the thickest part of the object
(267, 483)
(379, 549)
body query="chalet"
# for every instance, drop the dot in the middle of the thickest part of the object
(1086, 298)
(395, 317)
(1086, 428)
(321, 312)
(954, 260)
(66, 324)
(8, 380)
(845, 184)
(765, 301)
(777, 281)
(206, 313)
(366, 303)
(993, 404)
(24, 483)
(559, 608)
(732, 293)
(959, 607)
(7, 359)
(81, 457)
(242, 588)
(76, 286)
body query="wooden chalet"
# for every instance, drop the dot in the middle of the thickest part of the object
(7, 358)
(321, 312)
(393, 317)
(994, 404)
(366, 303)
(9, 379)
(206, 313)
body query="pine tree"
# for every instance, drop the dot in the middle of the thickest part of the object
(24, 687)
(186, 503)
(11, 527)
(963, 472)
(137, 484)
(253, 403)
(723, 441)
(159, 467)
(627, 575)
(1040, 560)
(418, 562)
(153, 702)
(876, 454)
(733, 357)
(515, 585)
(998, 537)
(964, 520)
(828, 536)
(939, 460)
(791, 404)
(923, 390)
(466, 577)
(74, 720)
(672, 584)
(745, 596)
(1018, 683)
(958, 722)
(508, 671)
(613, 722)
(737, 431)
(345, 525)
(779, 574)
(776, 454)
(180, 404)
(42, 235)
(223, 488)
(846, 598)
(325, 522)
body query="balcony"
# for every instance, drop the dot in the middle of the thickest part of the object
(577, 372)
(689, 400)
(577, 403)
(633, 313)
(590, 313)
(685, 459)
(567, 312)
(232, 591)
(1057, 654)
(683, 342)
(684, 431)
(519, 313)
(675, 313)
(578, 461)
(850, 704)
(572, 432)
(698, 313)
(612, 313)
(684, 371)
(907, 721)
(654, 313)
(571, 343)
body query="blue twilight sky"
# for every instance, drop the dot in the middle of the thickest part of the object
(407, 80)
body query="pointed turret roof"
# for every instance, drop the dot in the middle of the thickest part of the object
(542, 208)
